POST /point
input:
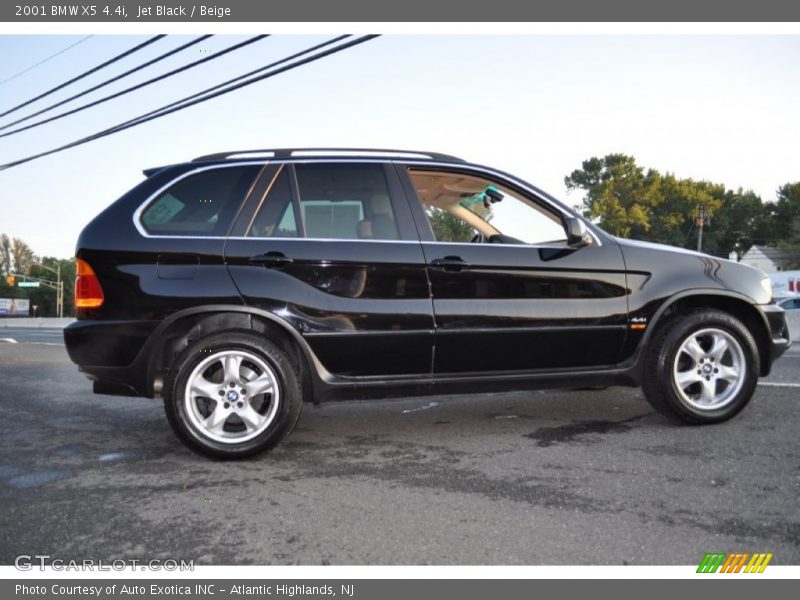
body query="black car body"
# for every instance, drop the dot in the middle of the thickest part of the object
(356, 266)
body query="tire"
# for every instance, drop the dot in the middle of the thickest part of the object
(704, 383)
(254, 414)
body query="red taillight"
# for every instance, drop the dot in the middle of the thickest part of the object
(88, 293)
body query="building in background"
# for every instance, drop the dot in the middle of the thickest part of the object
(776, 263)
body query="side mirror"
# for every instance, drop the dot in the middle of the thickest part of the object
(578, 235)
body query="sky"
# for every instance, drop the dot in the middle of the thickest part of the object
(722, 108)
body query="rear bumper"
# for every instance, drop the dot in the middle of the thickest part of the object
(106, 343)
(110, 354)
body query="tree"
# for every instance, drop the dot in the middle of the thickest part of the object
(740, 222)
(627, 200)
(619, 195)
(785, 216)
(5, 255)
(21, 255)
(45, 296)
(681, 203)
(786, 213)
(17, 257)
(447, 227)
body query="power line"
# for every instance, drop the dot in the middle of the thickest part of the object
(211, 92)
(158, 114)
(85, 73)
(194, 99)
(44, 60)
(239, 78)
(110, 81)
(138, 86)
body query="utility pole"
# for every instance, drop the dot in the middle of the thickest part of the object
(701, 221)
(59, 287)
(60, 305)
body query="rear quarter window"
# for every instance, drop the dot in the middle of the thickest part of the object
(204, 203)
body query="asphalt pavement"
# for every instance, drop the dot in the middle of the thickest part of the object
(566, 477)
(32, 335)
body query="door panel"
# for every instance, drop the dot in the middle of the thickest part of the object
(526, 308)
(363, 305)
(518, 298)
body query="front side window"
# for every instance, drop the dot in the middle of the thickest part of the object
(332, 201)
(466, 208)
(200, 204)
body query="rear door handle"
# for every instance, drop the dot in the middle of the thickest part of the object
(271, 259)
(450, 263)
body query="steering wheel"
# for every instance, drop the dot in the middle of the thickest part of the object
(478, 238)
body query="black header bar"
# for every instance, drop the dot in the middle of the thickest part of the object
(406, 11)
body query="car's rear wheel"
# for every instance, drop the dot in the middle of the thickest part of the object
(701, 368)
(232, 395)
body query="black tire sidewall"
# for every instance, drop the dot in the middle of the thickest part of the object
(677, 334)
(280, 363)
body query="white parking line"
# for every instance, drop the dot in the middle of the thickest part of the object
(774, 384)
(8, 340)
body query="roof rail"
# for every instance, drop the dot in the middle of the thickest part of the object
(353, 152)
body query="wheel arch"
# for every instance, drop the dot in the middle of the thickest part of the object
(187, 326)
(729, 302)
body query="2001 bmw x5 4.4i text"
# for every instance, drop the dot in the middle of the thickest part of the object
(239, 285)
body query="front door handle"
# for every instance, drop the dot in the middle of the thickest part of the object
(450, 263)
(271, 259)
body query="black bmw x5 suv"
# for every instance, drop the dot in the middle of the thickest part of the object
(239, 285)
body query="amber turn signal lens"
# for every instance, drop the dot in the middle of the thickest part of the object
(88, 293)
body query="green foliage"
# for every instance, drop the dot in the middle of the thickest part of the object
(741, 222)
(447, 227)
(629, 201)
(6, 265)
(620, 196)
(45, 297)
(17, 257)
(786, 213)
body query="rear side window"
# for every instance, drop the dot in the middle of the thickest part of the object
(336, 201)
(200, 204)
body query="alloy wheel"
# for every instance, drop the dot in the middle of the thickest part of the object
(232, 396)
(709, 369)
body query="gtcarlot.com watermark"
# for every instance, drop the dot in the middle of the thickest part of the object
(42, 562)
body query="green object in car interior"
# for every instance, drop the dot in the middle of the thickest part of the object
(488, 196)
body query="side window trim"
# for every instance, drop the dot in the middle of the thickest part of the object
(414, 204)
(406, 227)
(294, 186)
(254, 199)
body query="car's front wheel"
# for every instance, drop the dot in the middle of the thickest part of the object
(232, 395)
(702, 368)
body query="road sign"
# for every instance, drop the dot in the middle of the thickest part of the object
(28, 284)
